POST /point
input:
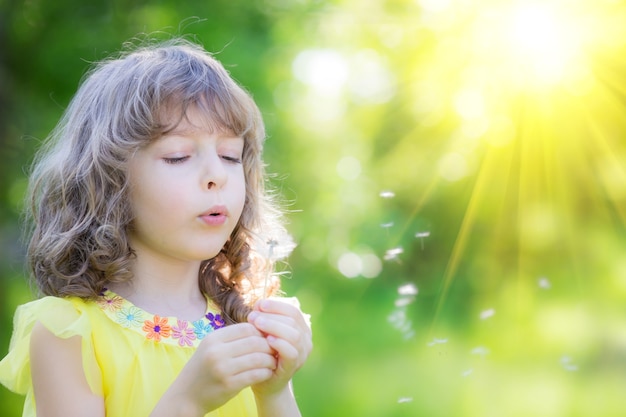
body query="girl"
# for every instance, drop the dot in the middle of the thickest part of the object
(149, 230)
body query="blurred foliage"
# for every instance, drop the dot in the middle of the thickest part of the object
(456, 171)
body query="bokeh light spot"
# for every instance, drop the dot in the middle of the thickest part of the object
(325, 70)
(350, 265)
(453, 166)
(349, 168)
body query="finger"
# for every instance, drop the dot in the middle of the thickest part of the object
(247, 345)
(292, 344)
(290, 358)
(289, 307)
(280, 306)
(286, 351)
(278, 326)
(247, 339)
(245, 363)
(251, 377)
(233, 332)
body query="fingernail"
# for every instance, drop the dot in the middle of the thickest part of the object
(252, 316)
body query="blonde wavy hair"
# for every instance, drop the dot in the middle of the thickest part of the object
(78, 199)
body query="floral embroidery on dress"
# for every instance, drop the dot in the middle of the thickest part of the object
(156, 328)
(130, 316)
(184, 334)
(110, 301)
(215, 320)
(201, 328)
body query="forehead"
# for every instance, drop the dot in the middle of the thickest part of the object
(192, 120)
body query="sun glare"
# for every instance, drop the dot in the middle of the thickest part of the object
(531, 43)
(531, 94)
(543, 39)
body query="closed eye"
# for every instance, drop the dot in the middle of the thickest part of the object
(231, 159)
(177, 160)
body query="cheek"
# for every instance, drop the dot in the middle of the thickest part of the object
(158, 198)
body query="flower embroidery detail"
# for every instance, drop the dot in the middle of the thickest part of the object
(183, 333)
(129, 316)
(110, 302)
(201, 328)
(157, 329)
(154, 327)
(216, 320)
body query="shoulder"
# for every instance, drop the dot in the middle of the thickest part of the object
(36, 324)
(61, 316)
(54, 359)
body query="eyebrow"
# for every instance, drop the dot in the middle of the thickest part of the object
(190, 131)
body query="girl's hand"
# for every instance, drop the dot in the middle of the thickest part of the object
(288, 333)
(226, 361)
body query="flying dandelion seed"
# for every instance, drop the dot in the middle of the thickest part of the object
(568, 364)
(437, 342)
(480, 351)
(487, 313)
(387, 194)
(403, 301)
(387, 225)
(392, 254)
(408, 289)
(399, 320)
(403, 400)
(467, 373)
(544, 283)
(407, 293)
(421, 236)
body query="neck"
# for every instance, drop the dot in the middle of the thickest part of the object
(164, 287)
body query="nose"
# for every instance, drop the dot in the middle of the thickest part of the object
(215, 175)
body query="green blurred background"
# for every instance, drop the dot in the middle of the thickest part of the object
(456, 172)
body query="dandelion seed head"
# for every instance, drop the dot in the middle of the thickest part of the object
(278, 246)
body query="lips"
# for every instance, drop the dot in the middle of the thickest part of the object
(215, 216)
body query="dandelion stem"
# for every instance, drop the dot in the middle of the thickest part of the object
(270, 254)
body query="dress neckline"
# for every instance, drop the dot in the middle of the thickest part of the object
(157, 329)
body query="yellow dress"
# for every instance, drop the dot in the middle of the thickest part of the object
(130, 356)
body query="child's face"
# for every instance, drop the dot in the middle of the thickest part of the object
(187, 192)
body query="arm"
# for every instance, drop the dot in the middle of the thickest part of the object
(59, 382)
(289, 335)
(282, 403)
